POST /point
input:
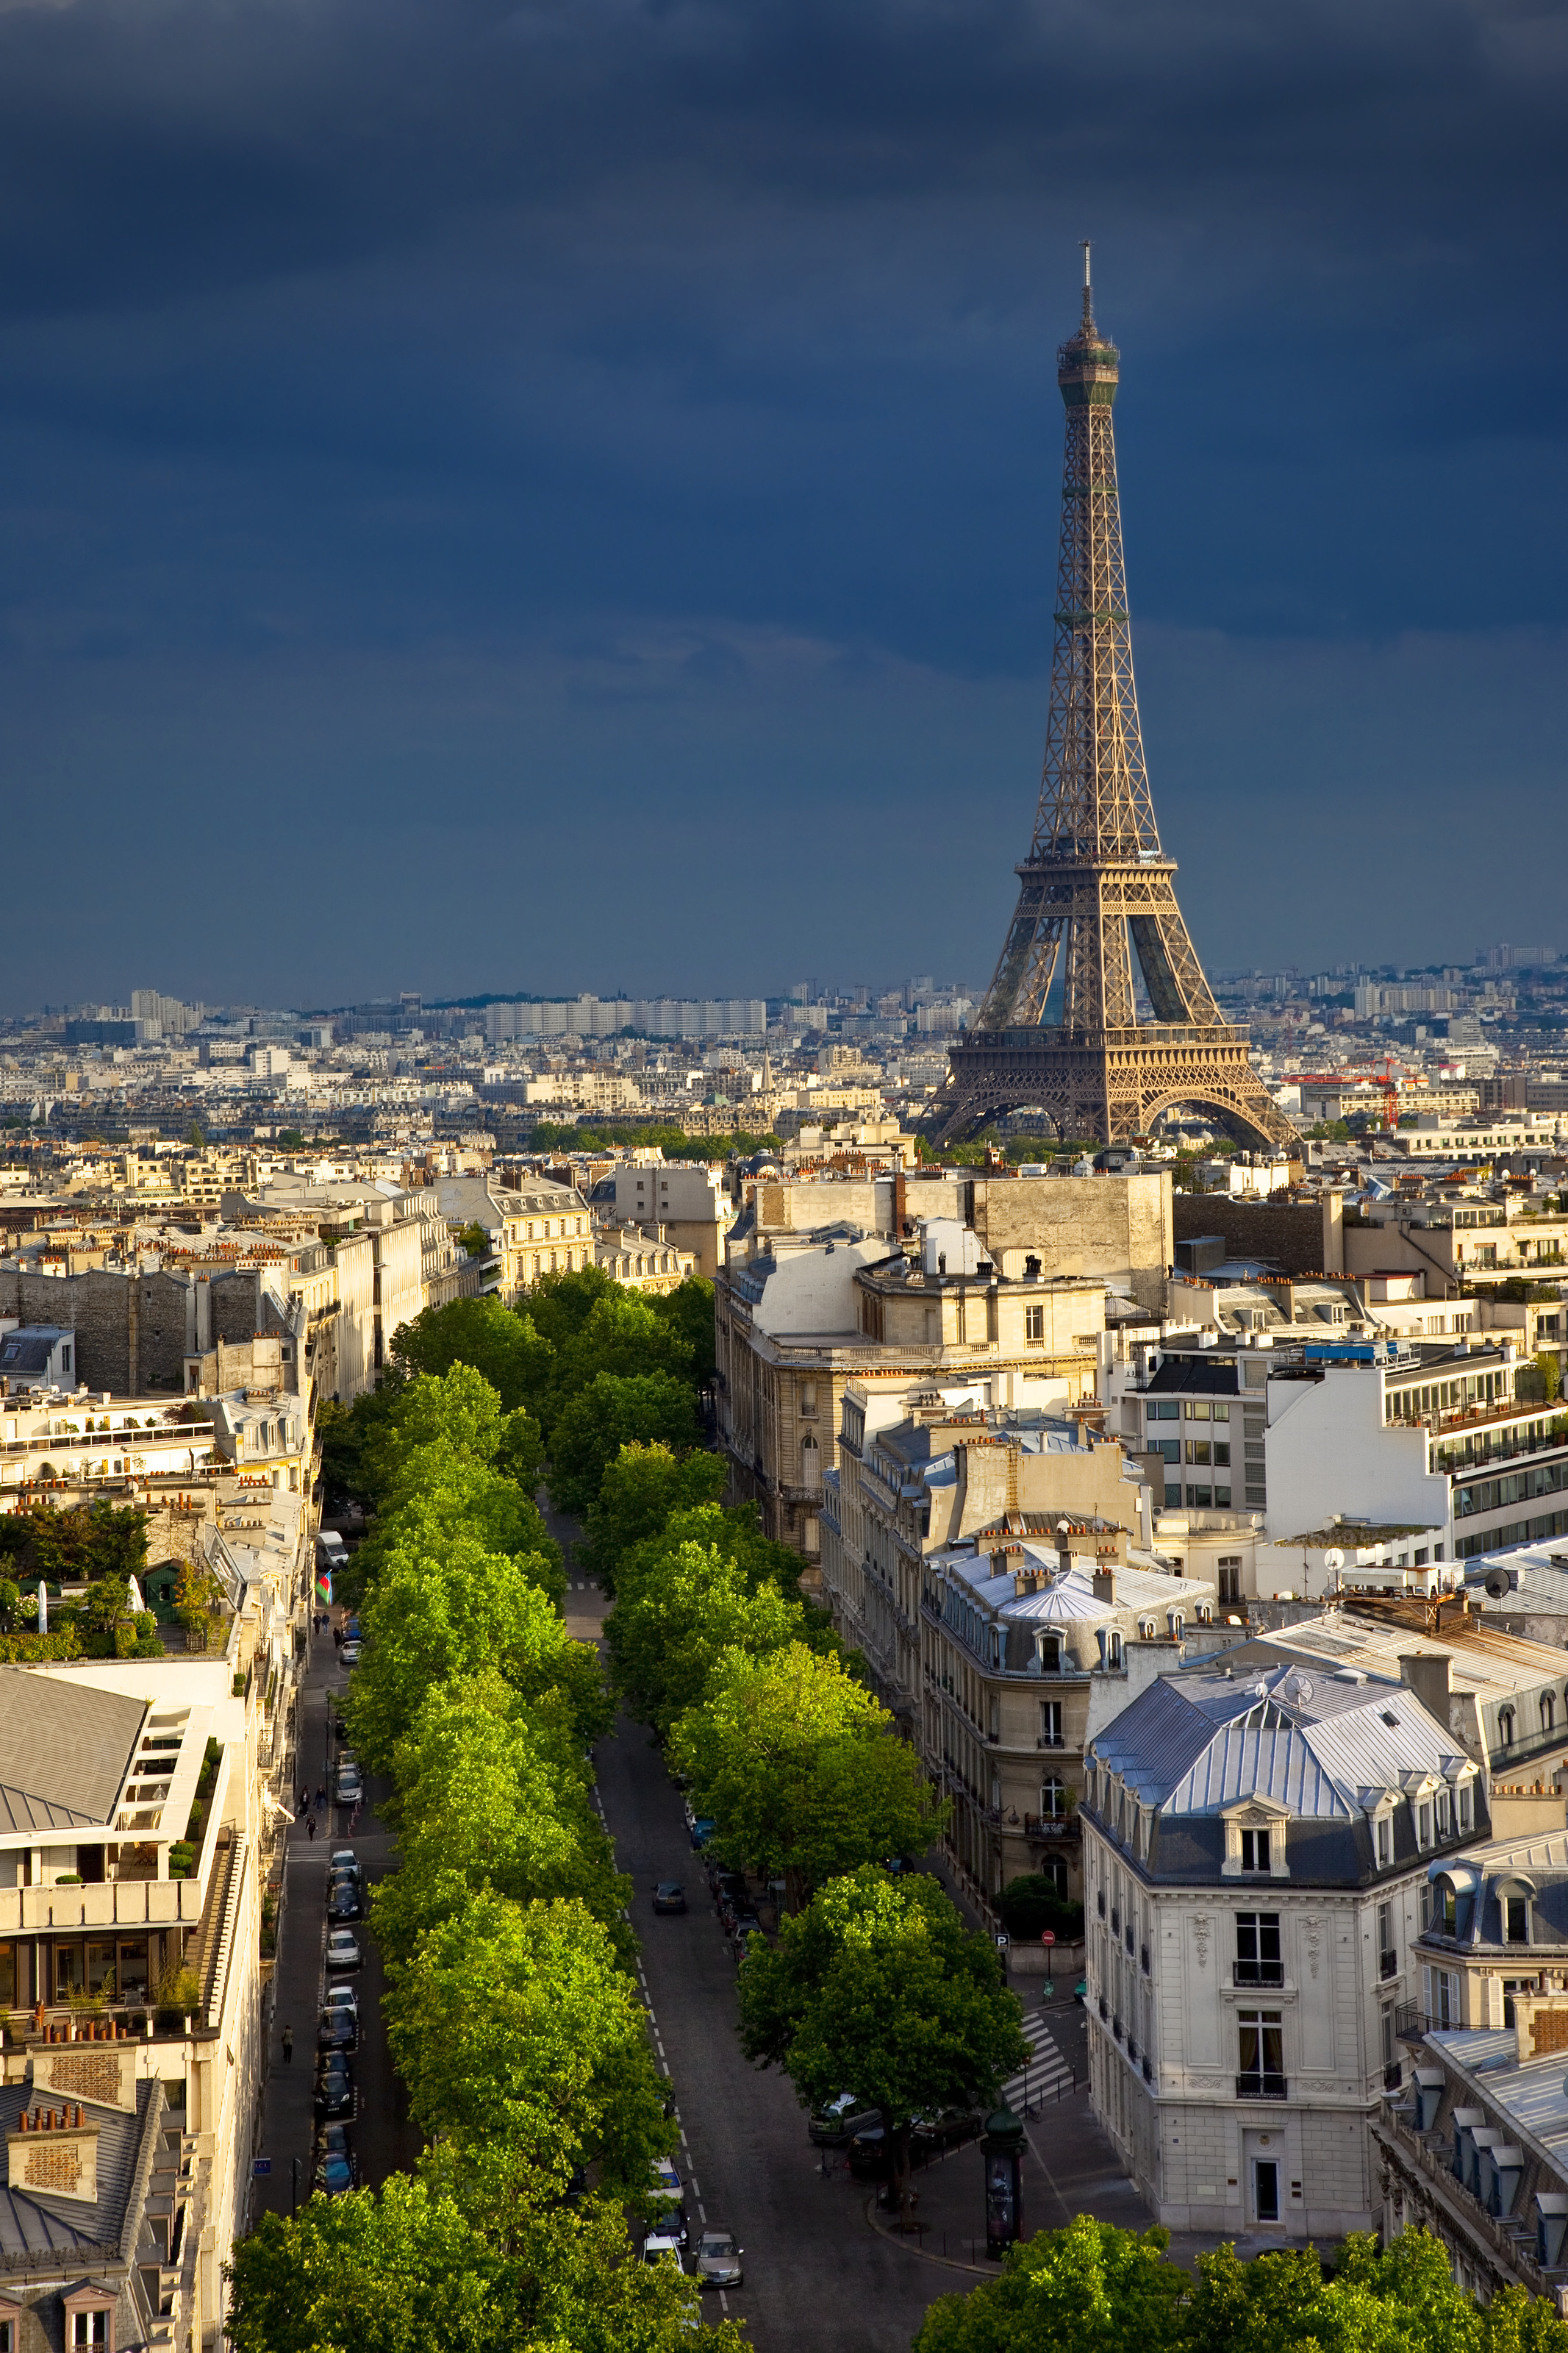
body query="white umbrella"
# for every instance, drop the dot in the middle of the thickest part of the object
(43, 1607)
(137, 1604)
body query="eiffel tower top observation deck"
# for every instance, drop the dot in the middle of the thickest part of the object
(1062, 1030)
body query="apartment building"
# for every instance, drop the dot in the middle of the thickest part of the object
(1477, 2151)
(649, 1262)
(797, 1319)
(685, 1198)
(540, 1228)
(1256, 1843)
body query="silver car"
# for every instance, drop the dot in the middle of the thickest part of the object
(719, 2259)
(343, 1949)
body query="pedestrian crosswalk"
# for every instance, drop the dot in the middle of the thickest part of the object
(1047, 2075)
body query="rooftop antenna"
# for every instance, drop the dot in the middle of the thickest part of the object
(1087, 285)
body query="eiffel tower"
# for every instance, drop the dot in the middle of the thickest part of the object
(1096, 883)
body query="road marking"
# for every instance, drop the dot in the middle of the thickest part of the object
(723, 2301)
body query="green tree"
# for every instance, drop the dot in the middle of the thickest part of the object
(1090, 2288)
(493, 1791)
(647, 1408)
(796, 1762)
(688, 1310)
(622, 1333)
(516, 2032)
(637, 1492)
(496, 1341)
(560, 1304)
(440, 1491)
(448, 1610)
(421, 2266)
(667, 1638)
(878, 1989)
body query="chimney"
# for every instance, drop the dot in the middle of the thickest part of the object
(1429, 1675)
(1104, 1585)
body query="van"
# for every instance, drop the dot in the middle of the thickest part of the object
(330, 1549)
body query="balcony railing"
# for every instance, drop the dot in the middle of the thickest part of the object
(1256, 2085)
(1257, 1973)
(1051, 1825)
(1412, 2022)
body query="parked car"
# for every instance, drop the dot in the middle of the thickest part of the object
(869, 2154)
(338, 2030)
(343, 1950)
(335, 2176)
(332, 2140)
(345, 1901)
(348, 1789)
(719, 2259)
(342, 1997)
(666, 2203)
(744, 1924)
(945, 2130)
(662, 2246)
(351, 1632)
(703, 1829)
(840, 2120)
(730, 1888)
(343, 1858)
(350, 1654)
(335, 2088)
(669, 1897)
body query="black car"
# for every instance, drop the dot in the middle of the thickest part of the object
(335, 2095)
(345, 1901)
(869, 2154)
(339, 2031)
(729, 1886)
(669, 1897)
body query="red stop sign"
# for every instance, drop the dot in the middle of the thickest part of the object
(1048, 1936)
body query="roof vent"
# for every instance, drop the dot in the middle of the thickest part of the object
(1300, 1687)
(1392, 1721)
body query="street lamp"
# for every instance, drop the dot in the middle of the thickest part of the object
(1001, 2147)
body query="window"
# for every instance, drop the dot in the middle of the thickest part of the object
(1516, 1919)
(1255, 1851)
(1384, 1840)
(1423, 1825)
(1114, 1651)
(810, 1462)
(90, 2327)
(1387, 1951)
(1197, 1449)
(1466, 1806)
(1197, 1409)
(1034, 1324)
(1050, 1654)
(808, 1397)
(1445, 1802)
(1505, 1726)
(1257, 1958)
(1050, 1724)
(1164, 1410)
(1261, 2074)
(1053, 1800)
(1548, 1711)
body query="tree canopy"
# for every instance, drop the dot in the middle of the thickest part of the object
(638, 1492)
(877, 1989)
(613, 1411)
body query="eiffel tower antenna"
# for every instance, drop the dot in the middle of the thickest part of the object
(1097, 887)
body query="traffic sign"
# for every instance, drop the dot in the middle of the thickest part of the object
(260, 2166)
(1003, 1941)
(1047, 1936)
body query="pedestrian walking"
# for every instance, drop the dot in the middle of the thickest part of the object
(310, 1826)
(321, 1794)
(337, 1638)
(288, 2044)
(304, 1802)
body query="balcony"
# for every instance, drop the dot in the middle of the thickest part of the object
(1259, 2086)
(1257, 1973)
(1387, 1966)
(1050, 1826)
(1412, 2023)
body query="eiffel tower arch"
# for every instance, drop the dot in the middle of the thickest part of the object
(1063, 1027)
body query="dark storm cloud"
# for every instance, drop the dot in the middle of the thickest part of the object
(467, 337)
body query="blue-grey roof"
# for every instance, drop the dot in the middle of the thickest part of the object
(34, 2226)
(1193, 1743)
(64, 1750)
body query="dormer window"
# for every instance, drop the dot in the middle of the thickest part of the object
(1505, 1726)
(1255, 1851)
(1048, 1648)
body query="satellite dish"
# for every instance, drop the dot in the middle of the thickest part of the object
(1302, 1687)
(1497, 1583)
(1333, 1559)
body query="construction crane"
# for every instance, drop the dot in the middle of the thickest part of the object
(1383, 1079)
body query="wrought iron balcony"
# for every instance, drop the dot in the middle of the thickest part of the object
(1257, 2085)
(1257, 1973)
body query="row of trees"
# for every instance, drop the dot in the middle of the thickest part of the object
(512, 2009)
(875, 1987)
(1093, 2288)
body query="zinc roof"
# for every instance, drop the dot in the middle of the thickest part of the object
(64, 1750)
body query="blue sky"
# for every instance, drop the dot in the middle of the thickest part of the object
(565, 495)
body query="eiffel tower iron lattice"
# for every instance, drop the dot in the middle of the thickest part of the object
(1096, 886)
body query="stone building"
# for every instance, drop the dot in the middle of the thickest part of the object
(1256, 1844)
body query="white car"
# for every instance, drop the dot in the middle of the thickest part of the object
(662, 2245)
(343, 1949)
(342, 1998)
